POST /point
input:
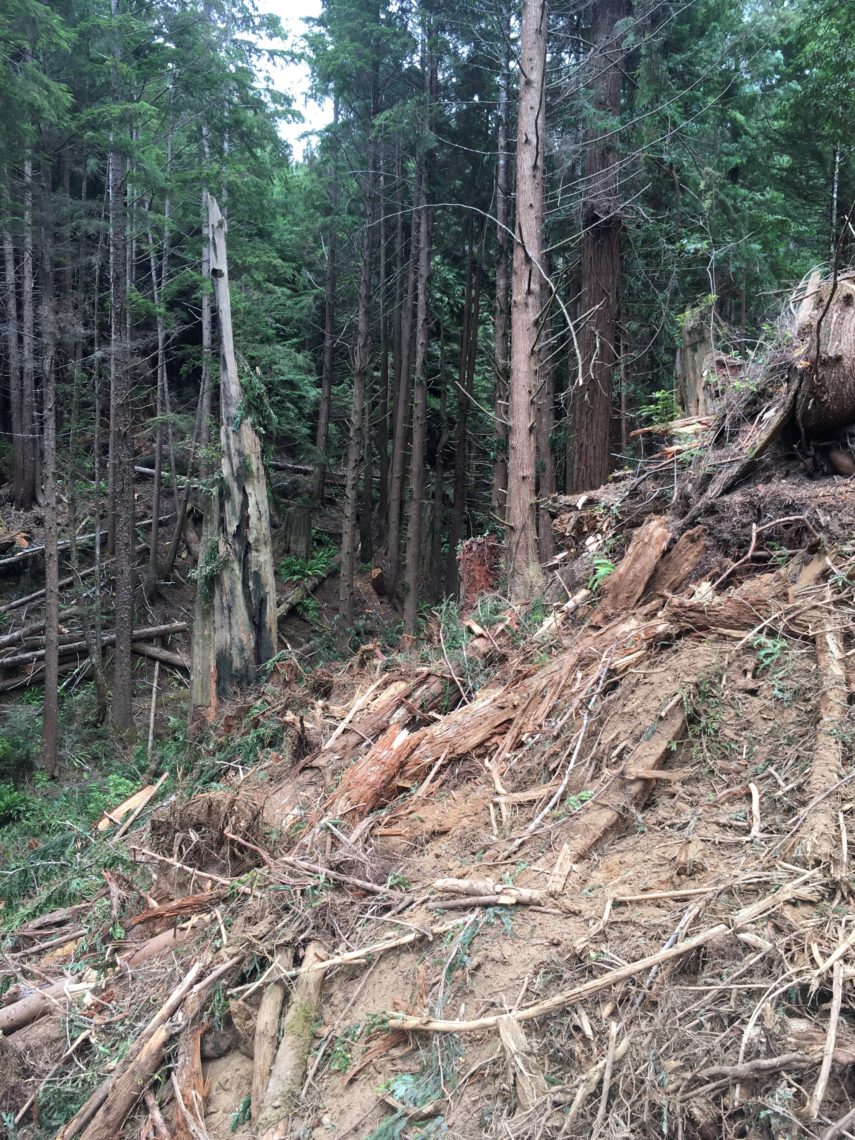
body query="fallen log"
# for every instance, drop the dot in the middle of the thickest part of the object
(267, 1029)
(128, 1087)
(678, 563)
(64, 583)
(83, 540)
(333, 477)
(20, 635)
(625, 585)
(155, 653)
(301, 592)
(524, 1070)
(289, 1068)
(166, 479)
(37, 676)
(35, 1005)
(53, 919)
(818, 838)
(168, 940)
(403, 702)
(104, 1112)
(373, 780)
(190, 1087)
(627, 792)
(76, 647)
(189, 904)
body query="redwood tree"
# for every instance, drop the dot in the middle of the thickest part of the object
(589, 455)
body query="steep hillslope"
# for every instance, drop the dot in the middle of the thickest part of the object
(577, 871)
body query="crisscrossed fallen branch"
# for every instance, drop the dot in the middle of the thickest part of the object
(588, 989)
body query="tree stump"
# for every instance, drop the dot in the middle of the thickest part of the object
(298, 532)
(479, 564)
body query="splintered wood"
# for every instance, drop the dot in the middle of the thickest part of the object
(626, 793)
(624, 586)
(818, 839)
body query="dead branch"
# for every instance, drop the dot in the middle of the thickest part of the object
(596, 985)
(267, 1028)
(104, 1112)
(305, 590)
(289, 1068)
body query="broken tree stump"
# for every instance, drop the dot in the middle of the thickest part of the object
(625, 585)
(298, 531)
(479, 565)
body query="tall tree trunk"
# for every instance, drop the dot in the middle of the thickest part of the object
(437, 576)
(13, 348)
(545, 410)
(590, 455)
(202, 420)
(413, 559)
(50, 712)
(503, 294)
(24, 487)
(458, 507)
(383, 401)
(153, 571)
(161, 398)
(361, 370)
(322, 436)
(525, 575)
(90, 610)
(235, 579)
(366, 511)
(121, 421)
(835, 194)
(400, 433)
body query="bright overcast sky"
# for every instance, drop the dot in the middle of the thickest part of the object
(293, 78)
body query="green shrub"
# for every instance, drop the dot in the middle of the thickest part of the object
(14, 804)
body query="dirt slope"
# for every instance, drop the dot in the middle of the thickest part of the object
(581, 871)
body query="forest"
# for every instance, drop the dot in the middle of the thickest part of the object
(426, 569)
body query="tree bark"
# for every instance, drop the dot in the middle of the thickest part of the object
(383, 396)
(322, 436)
(24, 489)
(458, 508)
(417, 452)
(545, 408)
(361, 370)
(161, 401)
(402, 407)
(13, 347)
(590, 453)
(50, 715)
(121, 421)
(525, 575)
(437, 567)
(501, 322)
(235, 579)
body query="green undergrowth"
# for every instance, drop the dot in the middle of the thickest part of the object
(302, 569)
(51, 854)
